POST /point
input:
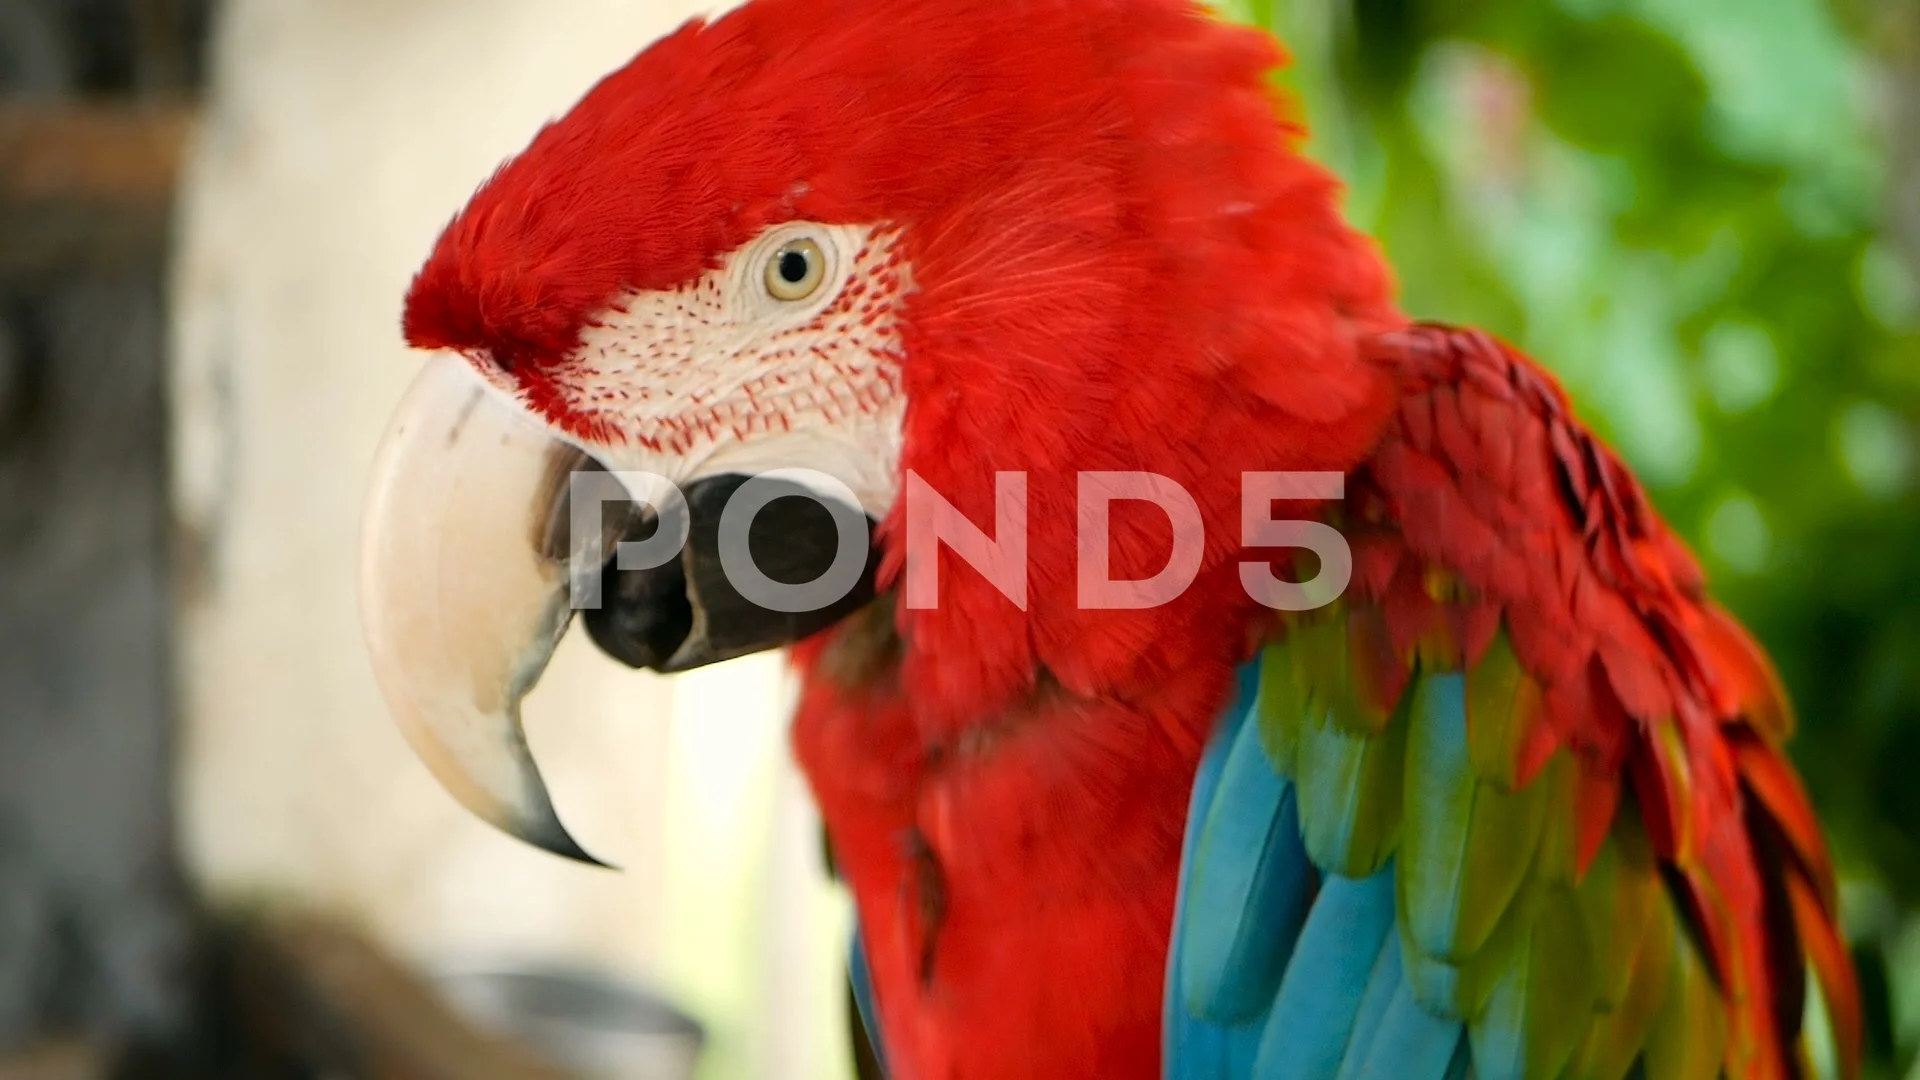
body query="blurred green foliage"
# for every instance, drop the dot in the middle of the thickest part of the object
(1680, 207)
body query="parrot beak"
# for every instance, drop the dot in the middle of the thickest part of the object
(472, 564)
(462, 599)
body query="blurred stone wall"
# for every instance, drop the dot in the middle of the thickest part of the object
(93, 930)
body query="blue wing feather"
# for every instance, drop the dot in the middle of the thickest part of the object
(1275, 973)
(1383, 985)
(1195, 1049)
(1344, 940)
(1247, 910)
(1409, 1043)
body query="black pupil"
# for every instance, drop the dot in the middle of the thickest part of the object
(793, 267)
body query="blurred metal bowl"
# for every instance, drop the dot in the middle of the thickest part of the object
(593, 1026)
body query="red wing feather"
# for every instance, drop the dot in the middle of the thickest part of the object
(1486, 503)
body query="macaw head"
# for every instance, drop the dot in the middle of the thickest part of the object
(951, 238)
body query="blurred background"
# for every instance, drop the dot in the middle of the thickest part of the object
(218, 859)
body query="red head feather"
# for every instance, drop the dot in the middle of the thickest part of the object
(1120, 260)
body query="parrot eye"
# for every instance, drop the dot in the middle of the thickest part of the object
(796, 270)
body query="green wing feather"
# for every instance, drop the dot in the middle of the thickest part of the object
(1557, 970)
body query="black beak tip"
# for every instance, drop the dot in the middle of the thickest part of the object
(567, 847)
(541, 827)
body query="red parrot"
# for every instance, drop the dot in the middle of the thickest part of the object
(1486, 786)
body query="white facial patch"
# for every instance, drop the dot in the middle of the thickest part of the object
(734, 372)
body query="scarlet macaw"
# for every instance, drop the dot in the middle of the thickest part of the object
(1512, 804)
